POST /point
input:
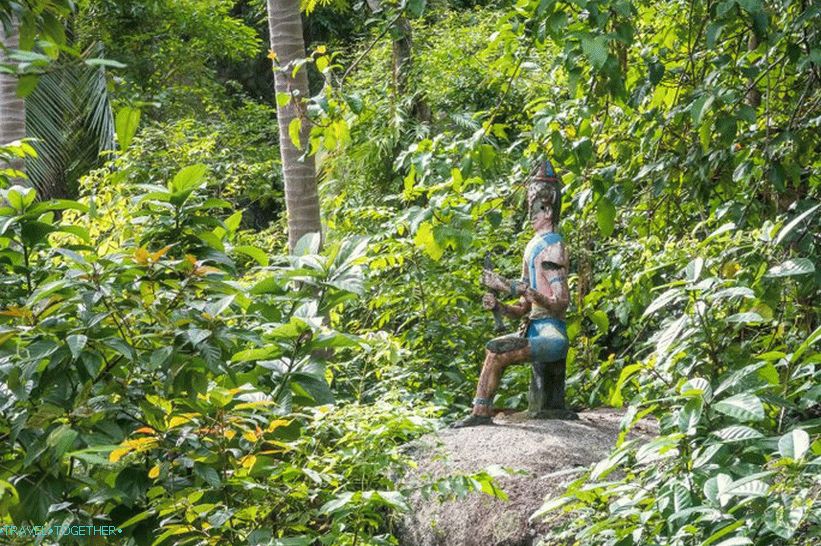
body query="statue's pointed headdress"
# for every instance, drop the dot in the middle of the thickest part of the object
(545, 186)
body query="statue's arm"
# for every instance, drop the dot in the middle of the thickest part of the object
(514, 288)
(517, 310)
(557, 299)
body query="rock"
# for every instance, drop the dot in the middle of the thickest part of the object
(542, 449)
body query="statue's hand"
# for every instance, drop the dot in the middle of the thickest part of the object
(494, 281)
(489, 302)
(531, 295)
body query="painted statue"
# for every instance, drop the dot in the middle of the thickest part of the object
(543, 298)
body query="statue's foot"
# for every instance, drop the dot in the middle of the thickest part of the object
(563, 414)
(473, 421)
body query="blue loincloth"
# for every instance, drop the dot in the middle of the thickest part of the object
(548, 339)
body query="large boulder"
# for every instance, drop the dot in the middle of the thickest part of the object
(544, 450)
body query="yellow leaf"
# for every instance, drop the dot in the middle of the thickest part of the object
(248, 461)
(141, 256)
(228, 433)
(278, 423)
(294, 129)
(729, 270)
(272, 55)
(160, 253)
(15, 311)
(426, 241)
(201, 270)
(177, 420)
(118, 454)
(141, 444)
(321, 49)
(250, 435)
(145, 430)
(154, 472)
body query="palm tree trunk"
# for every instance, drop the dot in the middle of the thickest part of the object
(12, 108)
(287, 43)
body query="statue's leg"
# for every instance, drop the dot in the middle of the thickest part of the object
(549, 352)
(501, 352)
(547, 386)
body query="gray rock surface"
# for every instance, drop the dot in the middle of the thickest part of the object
(542, 449)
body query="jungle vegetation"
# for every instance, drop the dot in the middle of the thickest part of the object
(184, 356)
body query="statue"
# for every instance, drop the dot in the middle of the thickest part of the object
(543, 297)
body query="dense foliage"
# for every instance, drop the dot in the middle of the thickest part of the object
(166, 367)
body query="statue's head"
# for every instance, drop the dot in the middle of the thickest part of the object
(544, 195)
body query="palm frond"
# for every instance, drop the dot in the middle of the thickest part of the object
(69, 115)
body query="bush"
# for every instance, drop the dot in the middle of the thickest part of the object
(153, 382)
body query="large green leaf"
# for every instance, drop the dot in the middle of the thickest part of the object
(744, 407)
(126, 123)
(606, 216)
(794, 444)
(797, 266)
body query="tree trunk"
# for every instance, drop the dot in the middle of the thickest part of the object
(402, 50)
(753, 95)
(402, 60)
(301, 197)
(12, 108)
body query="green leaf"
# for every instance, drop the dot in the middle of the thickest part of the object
(737, 433)
(294, 129)
(735, 541)
(797, 266)
(787, 229)
(337, 504)
(283, 99)
(78, 231)
(415, 7)
(125, 125)
(784, 520)
(715, 489)
(744, 407)
(746, 318)
(268, 285)
(794, 444)
(606, 216)
(188, 178)
(425, 240)
(20, 198)
(663, 301)
(233, 221)
(76, 344)
(690, 415)
(697, 387)
(110, 63)
(595, 49)
(61, 439)
(727, 529)
(693, 270)
(256, 354)
(26, 84)
(616, 399)
(33, 233)
(699, 107)
(253, 252)
(601, 321)
(136, 519)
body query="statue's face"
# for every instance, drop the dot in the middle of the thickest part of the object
(542, 200)
(541, 213)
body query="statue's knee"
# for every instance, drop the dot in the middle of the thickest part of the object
(506, 344)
